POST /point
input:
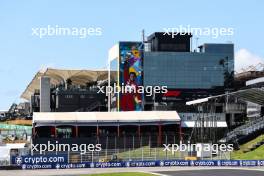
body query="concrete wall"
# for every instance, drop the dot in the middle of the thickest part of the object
(44, 94)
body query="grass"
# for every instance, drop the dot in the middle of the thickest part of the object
(122, 174)
(19, 122)
(257, 154)
(137, 153)
(147, 152)
(251, 155)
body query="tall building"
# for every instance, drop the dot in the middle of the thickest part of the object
(169, 62)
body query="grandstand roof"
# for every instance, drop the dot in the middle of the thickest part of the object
(248, 75)
(58, 76)
(105, 118)
(255, 81)
(254, 95)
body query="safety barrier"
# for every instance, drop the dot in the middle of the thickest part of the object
(61, 162)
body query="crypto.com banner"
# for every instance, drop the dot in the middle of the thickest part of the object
(61, 162)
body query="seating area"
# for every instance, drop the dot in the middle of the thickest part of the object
(245, 130)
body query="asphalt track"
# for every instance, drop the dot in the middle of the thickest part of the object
(166, 171)
(213, 172)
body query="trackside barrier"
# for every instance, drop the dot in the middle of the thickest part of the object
(61, 162)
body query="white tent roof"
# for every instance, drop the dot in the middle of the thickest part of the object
(78, 77)
(5, 149)
(82, 118)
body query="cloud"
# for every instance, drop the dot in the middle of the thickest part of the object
(244, 59)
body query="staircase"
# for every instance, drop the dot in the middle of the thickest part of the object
(244, 131)
(253, 147)
(12, 108)
(91, 107)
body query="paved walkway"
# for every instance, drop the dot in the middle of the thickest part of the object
(177, 171)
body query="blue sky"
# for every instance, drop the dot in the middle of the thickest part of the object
(22, 55)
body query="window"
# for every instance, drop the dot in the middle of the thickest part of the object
(68, 96)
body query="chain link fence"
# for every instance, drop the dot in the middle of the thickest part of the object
(134, 148)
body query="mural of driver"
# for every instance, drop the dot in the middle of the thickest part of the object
(131, 76)
(131, 100)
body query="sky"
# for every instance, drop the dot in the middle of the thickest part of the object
(22, 53)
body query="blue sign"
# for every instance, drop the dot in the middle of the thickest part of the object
(61, 162)
(39, 161)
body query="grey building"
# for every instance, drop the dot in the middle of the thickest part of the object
(190, 70)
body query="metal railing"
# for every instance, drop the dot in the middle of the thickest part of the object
(246, 129)
(140, 154)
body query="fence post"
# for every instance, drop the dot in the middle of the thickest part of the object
(68, 156)
(92, 156)
(174, 142)
(133, 138)
(140, 141)
(129, 154)
(149, 145)
(155, 153)
(106, 149)
(115, 144)
(124, 142)
(142, 154)
(166, 144)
